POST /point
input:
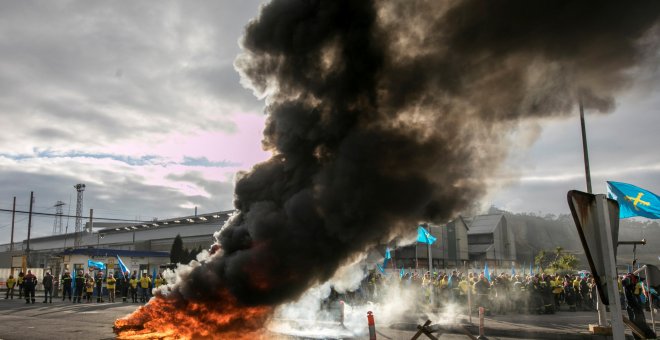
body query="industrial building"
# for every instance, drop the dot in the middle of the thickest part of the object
(490, 240)
(142, 246)
(146, 246)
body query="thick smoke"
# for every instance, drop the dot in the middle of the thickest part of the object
(386, 113)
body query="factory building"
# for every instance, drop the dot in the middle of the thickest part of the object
(142, 246)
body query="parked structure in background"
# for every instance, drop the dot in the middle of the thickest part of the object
(145, 246)
(490, 240)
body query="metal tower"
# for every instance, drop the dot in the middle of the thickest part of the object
(57, 226)
(79, 207)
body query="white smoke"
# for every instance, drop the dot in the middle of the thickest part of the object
(396, 301)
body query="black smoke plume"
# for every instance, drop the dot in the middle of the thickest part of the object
(382, 114)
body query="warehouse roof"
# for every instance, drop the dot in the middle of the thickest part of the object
(484, 224)
(115, 252)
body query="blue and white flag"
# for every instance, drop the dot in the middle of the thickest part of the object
(634, 201)
(382, 270)
(122, 266)
(388, 256)
(95, 264)
(424, 236)
(402, 273)
(486, 272)
(153, 278)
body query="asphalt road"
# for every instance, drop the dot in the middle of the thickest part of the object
(59, 320)
(65, 320)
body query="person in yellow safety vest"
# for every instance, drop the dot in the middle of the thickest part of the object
(145, 284)
(110, 285)
(89, 287)
(133, 282)
(159, 281)
(463, 290)
(578, 295)
(19, 281)
(557, 289)
(11, 282)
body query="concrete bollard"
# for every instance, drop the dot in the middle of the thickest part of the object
(341, 312)
(372, 325)
(481, 336)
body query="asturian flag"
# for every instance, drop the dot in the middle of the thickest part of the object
(424, 236)
(634, 201)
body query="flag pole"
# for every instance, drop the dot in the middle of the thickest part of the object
(428, 245)
(585, 150)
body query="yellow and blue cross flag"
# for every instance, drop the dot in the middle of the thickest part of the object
(634, 201)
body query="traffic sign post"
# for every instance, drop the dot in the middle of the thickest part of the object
(597, 221)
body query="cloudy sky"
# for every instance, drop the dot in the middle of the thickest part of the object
(141, 102)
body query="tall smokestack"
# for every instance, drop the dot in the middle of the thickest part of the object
(383, 114)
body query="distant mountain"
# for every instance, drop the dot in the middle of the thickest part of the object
(535, 232)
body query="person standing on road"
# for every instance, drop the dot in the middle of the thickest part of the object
(89, 287)
(110, 285)
(30, 283)
(133, 283)
(48, 287)
(11, 282)
(145, 284)
(20, 281)
(123, 285)
(66, 285)
(99, 287)
(80, 287)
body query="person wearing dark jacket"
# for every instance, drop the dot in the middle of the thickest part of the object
(123, 285)
(99, 287)
(29, 284)
(66, 285)
(48, 287)
(19, 282)
(80, 287)
(635, 307)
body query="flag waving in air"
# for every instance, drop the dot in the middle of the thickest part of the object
(99, 265)
(486, 272)
(424, 236)
(388, 257)
(634, 201)
(122, 266)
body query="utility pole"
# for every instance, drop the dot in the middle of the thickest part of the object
(59, 212)
(13, 218)
(27, 250)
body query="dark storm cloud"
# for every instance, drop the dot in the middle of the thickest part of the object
(385, 114)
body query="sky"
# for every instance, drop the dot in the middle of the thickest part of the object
(143, 105)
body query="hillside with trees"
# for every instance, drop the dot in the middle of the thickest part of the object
(535, 233)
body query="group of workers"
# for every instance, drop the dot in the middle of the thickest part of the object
(85, 286)
(504, 293)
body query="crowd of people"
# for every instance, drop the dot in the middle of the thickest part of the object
(86, 287)
(504, 293)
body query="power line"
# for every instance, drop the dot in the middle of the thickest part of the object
(83, 217)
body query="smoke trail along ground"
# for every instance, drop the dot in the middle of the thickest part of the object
(382, 114)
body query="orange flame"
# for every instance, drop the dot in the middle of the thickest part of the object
(168, 318)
